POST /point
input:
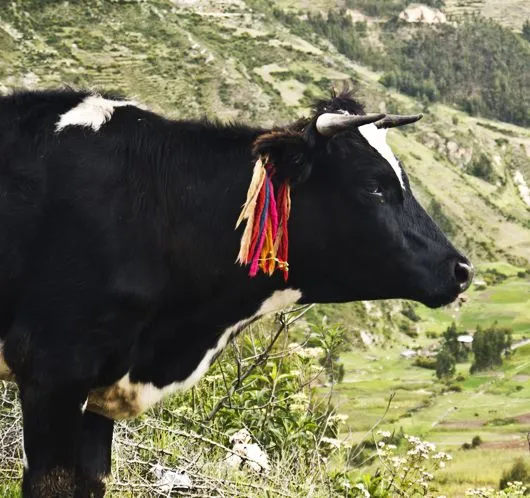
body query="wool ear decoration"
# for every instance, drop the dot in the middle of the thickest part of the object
(265, 240)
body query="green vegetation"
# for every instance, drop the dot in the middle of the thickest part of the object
(489, 346)
(482, 167)
(526, 30)
(445, 364)
(478, 65)
(520, 471)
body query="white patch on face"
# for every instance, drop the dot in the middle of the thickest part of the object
(377, 139)
(84, 405)
(126, 399)
(5, 371)
(93, 112)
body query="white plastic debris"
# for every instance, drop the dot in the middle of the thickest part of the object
(169, 480)
(247, 453)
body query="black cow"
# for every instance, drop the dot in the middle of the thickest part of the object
(118, 278)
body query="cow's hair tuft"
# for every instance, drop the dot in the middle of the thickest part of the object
(342, 100)
(288, 151)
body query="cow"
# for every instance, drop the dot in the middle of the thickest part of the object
(118, 275)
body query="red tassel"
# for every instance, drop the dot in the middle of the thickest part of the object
(269, 238)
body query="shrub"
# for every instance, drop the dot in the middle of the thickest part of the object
(476, 441)
(482, 167)
(519, 472)
(425, 362)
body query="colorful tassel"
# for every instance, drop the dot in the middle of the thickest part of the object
(265, 240)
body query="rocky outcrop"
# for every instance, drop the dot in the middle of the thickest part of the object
(419, 13)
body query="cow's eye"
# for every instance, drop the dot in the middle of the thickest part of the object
(375, 189)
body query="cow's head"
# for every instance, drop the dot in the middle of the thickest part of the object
(356, 230)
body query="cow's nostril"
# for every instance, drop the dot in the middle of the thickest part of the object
(464, 273)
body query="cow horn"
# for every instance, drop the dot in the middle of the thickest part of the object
(330, 123)
(393, 120)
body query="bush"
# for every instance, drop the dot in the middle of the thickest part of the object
(409, 311)
(519, 472)
(482, 167)
(476, 441)
(425, 362)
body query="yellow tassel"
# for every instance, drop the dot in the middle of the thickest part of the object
(247, 213)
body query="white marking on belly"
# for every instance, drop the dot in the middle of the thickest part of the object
(5, 371)
(377, 139)
(93, 112)
(126, 399)
(24, 455)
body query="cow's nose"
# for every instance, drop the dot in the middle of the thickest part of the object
(463, 272)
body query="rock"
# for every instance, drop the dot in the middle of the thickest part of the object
(419, 13)
(169, 480)
(246, 453)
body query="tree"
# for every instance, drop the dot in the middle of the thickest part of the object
(451, 344)
(445, 364)
(489, 346)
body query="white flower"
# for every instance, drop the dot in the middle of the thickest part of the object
(360, 486)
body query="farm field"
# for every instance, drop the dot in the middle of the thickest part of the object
(494, 405)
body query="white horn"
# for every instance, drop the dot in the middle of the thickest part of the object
(330, 123)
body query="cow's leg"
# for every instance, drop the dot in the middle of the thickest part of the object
(52, 416)
(93, 456)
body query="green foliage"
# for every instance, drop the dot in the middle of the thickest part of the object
(450, 342)
(337, 27)
(489, 345)
(519, 472)
(482, 167)
(479, 65)
(442, 220)
(526, 30)
(273, 402)
(493, 276)
(475, 443)
(425, 362)
(445, 364)
(332, 341)
(409, 310)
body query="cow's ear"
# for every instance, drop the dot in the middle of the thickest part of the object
(288, 151)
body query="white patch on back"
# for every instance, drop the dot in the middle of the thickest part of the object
(5, 371)
(126, 399)
(376, 137)
(93, 112)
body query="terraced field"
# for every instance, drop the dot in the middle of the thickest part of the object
(494, 405)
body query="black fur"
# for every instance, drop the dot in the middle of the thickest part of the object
(117, 253)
